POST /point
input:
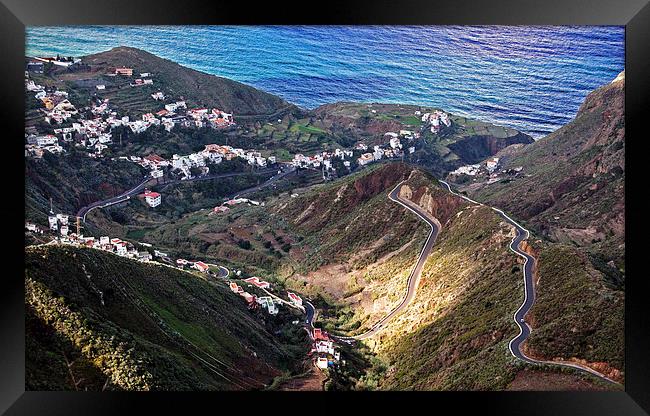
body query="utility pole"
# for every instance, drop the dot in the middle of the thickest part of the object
(78, 225)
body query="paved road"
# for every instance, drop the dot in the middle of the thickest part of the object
(529, 294)
(416, 272)
(310, 313)
(138, 188)
(290, 169)
(110, 201)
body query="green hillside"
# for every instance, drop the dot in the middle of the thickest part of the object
(125, 325)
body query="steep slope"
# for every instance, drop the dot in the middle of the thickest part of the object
(455, 333)
(571, 194)
(572, 187)
(357, 246)
(74, 180)
(120, 324)
(198, 88)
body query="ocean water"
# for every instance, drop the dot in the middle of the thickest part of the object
(532, 78)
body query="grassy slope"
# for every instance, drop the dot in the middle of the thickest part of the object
(136, 296)
(576, 315)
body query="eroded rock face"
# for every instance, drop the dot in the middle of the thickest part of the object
(441, 205)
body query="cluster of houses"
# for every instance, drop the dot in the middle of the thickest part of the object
(324, 349)
(490, 166)
(112, 245)
(182, 164)
(434, 120)
(37, 64)
(393, 149)
(254, 302)
(95, 133)
(37, 145)
(211, 154)
(324, 158)
(58, 108)
(470, 170)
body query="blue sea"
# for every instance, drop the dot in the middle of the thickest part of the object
(532, 78)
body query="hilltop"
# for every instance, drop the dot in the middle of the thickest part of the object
(196, 87)
(101, 321)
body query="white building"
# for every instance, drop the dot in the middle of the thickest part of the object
(365, 159)
(492, 164)
(395, 143)
(63, 218)
(152, 199)
(121, 249)
(54, 223)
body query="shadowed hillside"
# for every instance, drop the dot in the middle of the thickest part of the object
(119, 324)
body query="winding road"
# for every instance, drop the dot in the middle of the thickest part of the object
(416, 272)
(529, 294)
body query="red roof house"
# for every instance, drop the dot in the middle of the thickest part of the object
(200, 266)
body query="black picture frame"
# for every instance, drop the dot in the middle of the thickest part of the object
(633, 14)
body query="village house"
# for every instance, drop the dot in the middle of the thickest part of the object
(365, 159)
(257, 282)
(54, 223)
(200, 266)
(124, 71)
(248, 297)
(492, 164)
(144, 256)
(62, 218)
(395, 143)
(295, 299)
(220, 209)
(321, 362)
(320, 335)
(152, 198)
(121, 248)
